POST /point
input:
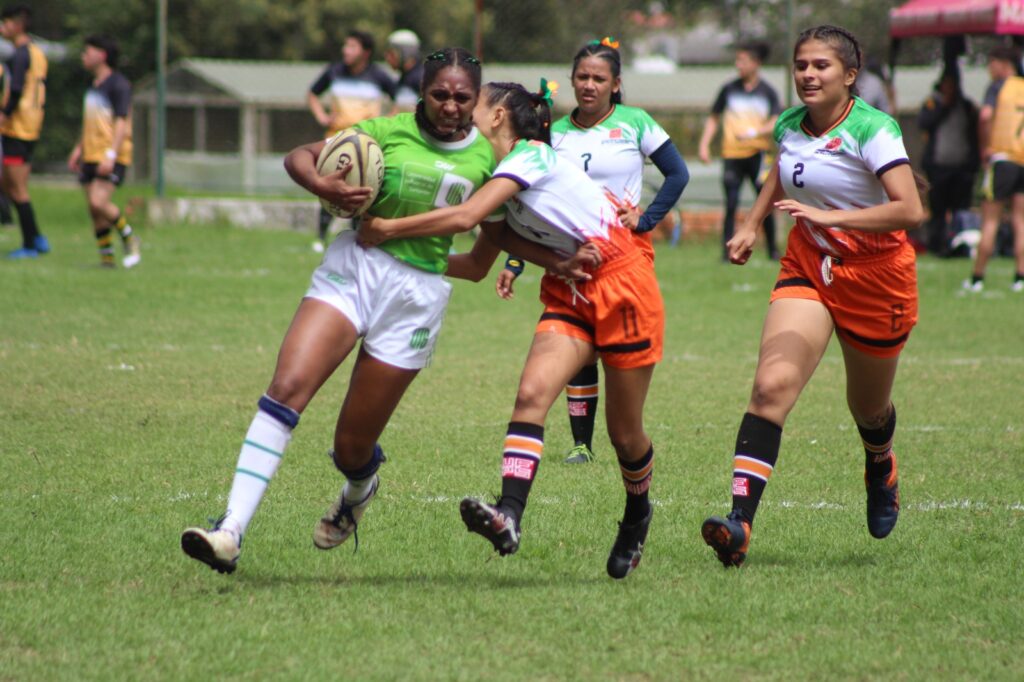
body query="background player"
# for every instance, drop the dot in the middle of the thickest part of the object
(619, 313)
(747, 108)
(403, 55)
(357, 88)
(393, 298)
(610, 142)
(1002, 150)
(21, 119)
(843, 173)
(104, 152)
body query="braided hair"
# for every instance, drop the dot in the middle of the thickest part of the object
(528, 112)
(845, 44)
(602, 50)
(433, 64)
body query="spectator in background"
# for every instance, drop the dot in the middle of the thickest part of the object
(747, 108)
(875, 88)
(403, 55)
(1002, 152)
(951, 155)
(21, 119)
(357, 88)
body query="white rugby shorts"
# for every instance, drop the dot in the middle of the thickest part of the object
(396, 308)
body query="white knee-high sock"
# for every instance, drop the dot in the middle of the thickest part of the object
(261, 454)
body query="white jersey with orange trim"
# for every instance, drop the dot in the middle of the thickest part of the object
(612, 151)
(559, 206)
(840, 169)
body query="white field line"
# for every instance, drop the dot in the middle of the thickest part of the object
(548, 500)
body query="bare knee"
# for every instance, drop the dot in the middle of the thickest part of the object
(773, 396)
(291, 389)
(352, 450)
(630, 442)
(871, 418)
(534, 396)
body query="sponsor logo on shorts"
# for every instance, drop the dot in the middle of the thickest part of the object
(419, 338)
(740, 486)
(337, 279)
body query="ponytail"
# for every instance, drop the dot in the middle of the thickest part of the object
(529, 112)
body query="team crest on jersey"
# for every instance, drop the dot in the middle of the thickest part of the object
(615, 134)
(834, 147)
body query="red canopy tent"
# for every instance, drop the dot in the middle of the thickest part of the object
(957, 17)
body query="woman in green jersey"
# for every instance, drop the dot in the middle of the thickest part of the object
(392, 297)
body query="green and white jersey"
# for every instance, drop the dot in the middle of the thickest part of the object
(421, 174)
(559, 206)
(840, 169)
(611, 151)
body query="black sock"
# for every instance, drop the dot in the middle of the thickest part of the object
(27, 218)
(325, 223)
(757, 449)
(878, 447)
(582, 393)
(636, 476)
(5, 210)
(524, 444)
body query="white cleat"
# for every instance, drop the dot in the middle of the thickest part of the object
(1017, 286)
(342, 520)
(974, 287)
(133, 255)
(219, 549)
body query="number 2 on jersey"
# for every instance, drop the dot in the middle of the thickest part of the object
(798, 170)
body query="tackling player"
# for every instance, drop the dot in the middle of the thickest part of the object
(21, 119)
(617, 314)
(843, 173)
(104, 152)
(610, 142)
(356, 87)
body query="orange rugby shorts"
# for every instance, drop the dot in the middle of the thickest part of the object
(620, 311)
(872, 299)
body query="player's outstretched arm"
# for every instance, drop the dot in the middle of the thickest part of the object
(742, 244)
(482, 204)
(474, 265)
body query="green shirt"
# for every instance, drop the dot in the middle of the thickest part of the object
(421, 174)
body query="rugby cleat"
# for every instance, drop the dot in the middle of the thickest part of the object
(883, 502)
(132, 252)
(342, 519)
(497, 524)
(580, 454)
(729, 537)
(628, 547)
(22, 253)
(41, 244)
(217, 548)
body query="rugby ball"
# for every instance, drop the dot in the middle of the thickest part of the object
(355, 148)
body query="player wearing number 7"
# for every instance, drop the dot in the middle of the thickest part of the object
(843, 173)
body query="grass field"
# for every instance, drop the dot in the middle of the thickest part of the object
(124, 397)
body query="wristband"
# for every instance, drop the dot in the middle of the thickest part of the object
(514, 265)
(110, 154)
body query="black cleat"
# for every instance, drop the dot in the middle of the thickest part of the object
(729, 537)
(628, 547)
(883, 502)
(497, 524)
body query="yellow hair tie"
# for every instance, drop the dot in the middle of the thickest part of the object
(609, 42)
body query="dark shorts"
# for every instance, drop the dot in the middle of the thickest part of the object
(17, 152)
(1006, 178)
(88, 174)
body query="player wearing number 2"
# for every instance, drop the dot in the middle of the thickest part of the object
(843, 174)
(610, 142)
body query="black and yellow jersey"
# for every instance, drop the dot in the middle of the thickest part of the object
(104, 102)
(24, 93)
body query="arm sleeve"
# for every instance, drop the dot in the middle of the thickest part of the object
(121, 98)
(719, 106)
(16, 69)
(321, 83)
(672, 166)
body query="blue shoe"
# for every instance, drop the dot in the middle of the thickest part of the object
(19, 254)
(883, 502)
(42, 244)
